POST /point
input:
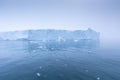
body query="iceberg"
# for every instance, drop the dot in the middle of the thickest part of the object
(54, 39)
(15, 35)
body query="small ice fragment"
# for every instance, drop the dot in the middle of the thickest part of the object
(75, 40)
(40, 47)
(52, 48)
(98, 78)
(38, 74)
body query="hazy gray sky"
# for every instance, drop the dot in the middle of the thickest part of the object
(101, 15)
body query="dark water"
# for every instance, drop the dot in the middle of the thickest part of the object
(18, 62)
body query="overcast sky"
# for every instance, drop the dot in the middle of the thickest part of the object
(101, 15)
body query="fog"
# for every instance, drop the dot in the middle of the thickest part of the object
(100, 15)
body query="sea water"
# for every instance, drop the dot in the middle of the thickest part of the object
(19, 62)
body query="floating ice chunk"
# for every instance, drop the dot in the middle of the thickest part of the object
(40, 47)
(76, 40)
(38, 74)
(98, 78)
(52, 48)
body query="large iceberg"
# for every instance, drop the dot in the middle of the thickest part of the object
(15, 35)
(54, 39)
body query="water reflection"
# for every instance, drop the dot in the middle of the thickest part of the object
(26, 60)
(61, 45)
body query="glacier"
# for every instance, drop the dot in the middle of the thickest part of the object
(51, 39)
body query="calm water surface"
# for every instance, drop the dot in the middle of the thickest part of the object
(19, 62)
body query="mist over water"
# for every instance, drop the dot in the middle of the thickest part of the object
(23, 59)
